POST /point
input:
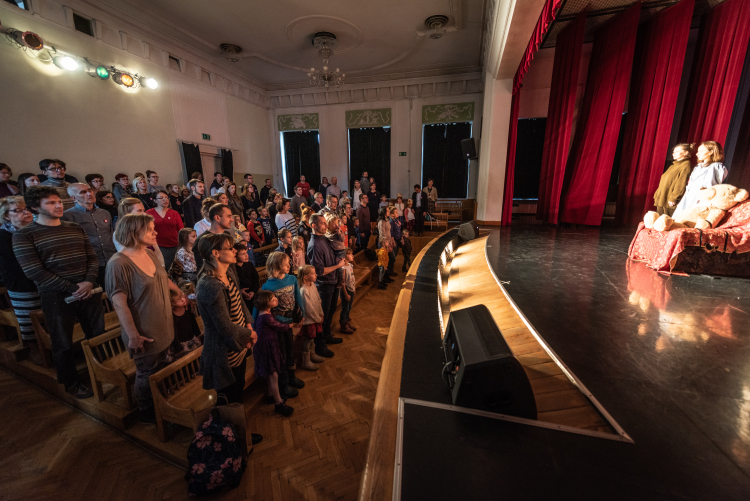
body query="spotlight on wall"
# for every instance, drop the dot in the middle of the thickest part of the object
(151, 83)
(65, 63)
(123, 79)
(27, 39)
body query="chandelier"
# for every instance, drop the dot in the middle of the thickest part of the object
(325, 42)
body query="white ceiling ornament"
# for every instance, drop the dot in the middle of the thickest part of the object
(348, 35)
(325, 42)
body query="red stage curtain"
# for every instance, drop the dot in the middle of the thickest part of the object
(562, 101)
(716, 75)
(660, 53)
(593, 151)
(510, 161)
(549, 11)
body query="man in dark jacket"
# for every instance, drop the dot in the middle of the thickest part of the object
(265, 190)
(363, 214)
(191, 207)
(419, 204)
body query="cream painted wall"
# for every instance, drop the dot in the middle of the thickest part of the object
(406, 135)
(97, 126)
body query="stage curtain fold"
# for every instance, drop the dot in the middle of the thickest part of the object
(593, 151)
(549, 11)
(722, 44)
(560, 113)
(657, 68)
(510, 161)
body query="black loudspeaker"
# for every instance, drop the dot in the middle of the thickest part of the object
(469, 148)
(468, 231)
(481, 370)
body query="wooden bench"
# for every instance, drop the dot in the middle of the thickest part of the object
(111, 322)
(364, 269)
(178, 393)
(8, 320)
(441, 220)
(109, 362)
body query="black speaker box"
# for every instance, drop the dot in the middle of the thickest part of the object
(480, 368)
(468, 231)
(469, 149)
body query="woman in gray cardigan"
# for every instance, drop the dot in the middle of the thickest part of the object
(228, 331)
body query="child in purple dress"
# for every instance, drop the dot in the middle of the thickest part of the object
(269, 359)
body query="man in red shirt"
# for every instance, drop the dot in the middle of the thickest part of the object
(305, 187)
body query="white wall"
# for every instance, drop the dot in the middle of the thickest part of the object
(98, 126)
(406, 135)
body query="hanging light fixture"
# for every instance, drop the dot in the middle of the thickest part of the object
(123, 79)
(65, 63)
(325, 42)
(25, 39)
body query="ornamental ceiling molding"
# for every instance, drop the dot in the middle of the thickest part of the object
(368, 118)
(299, 121)
(442, 113)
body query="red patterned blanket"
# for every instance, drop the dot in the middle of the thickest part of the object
(659, 250)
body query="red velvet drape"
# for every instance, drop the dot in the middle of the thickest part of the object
(562, 101)
(549, 11)
(597, 131)
(510, 161)
(660, 53)
(722, 45)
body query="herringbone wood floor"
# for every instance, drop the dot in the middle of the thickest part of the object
(50, 451)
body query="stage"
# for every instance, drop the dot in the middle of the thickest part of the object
(665, 359)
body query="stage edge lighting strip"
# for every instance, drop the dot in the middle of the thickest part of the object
(568, 373)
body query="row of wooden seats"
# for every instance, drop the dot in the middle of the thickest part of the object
(441, 220)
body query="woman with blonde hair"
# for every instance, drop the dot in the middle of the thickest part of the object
(134, 206)
(674, 180)
(140, 191)
(709, 172)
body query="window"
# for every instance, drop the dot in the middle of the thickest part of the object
(83, 25)
(370, 150)
(529, 152)
(19, 3)
(301, 157)
(174, 63)
(443, 160)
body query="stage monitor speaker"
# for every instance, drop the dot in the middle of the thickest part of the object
(468, 231)
(468, 147)
(481, 370)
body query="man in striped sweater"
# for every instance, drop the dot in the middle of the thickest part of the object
(58, 256)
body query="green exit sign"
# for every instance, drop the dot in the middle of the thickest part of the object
(207, 136)
(402, 153)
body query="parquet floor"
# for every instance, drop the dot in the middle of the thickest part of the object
(50, 451)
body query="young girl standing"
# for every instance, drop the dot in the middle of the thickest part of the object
(185, 241)
(265, 220)
(347, 295)
(409, 215)
(269, 358)
(312, 324)
(298, 252)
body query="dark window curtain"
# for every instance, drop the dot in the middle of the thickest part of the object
(529, 149)
(593, 152)
(301, 157)
(510, 160)
(560, 113)
(370, 150)
(227, 167)
(443, 160)
(739, 161)
(657, 69)
(722, 45)
(191, 155)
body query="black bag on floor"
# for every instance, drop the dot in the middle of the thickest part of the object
(215, 457)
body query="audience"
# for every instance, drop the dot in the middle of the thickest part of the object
(134, 206)
(249, 184)
(153, 180)
(138, 287)
(247, 275)
(97, 223)
(305, 187)
(140, 191)
(250, 199)
(59, 258)
(68, 178)
(268, 226)
(321, 256)
(7, 187)
(297, 201)
(323, 187)
(185, 242)
(268, 355)
(235, 202)
(191, 207)
(22, 291)
(298, 253)
(168, 224)
(204, 224)
(304, 230)
(265, 191)
(217, 183)
(187, 333)
(332, 206)
(55, 178)
(318, 202)
(26, 181)
(95, 181)
(106, 200)
(221, 222)
(121, 187)
(334, 189)
(284, 219)
(228, 332)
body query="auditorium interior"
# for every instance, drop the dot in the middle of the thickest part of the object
(557, 331)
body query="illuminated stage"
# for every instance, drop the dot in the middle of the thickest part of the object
(665, 359)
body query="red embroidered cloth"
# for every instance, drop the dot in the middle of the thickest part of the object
(659, 249)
